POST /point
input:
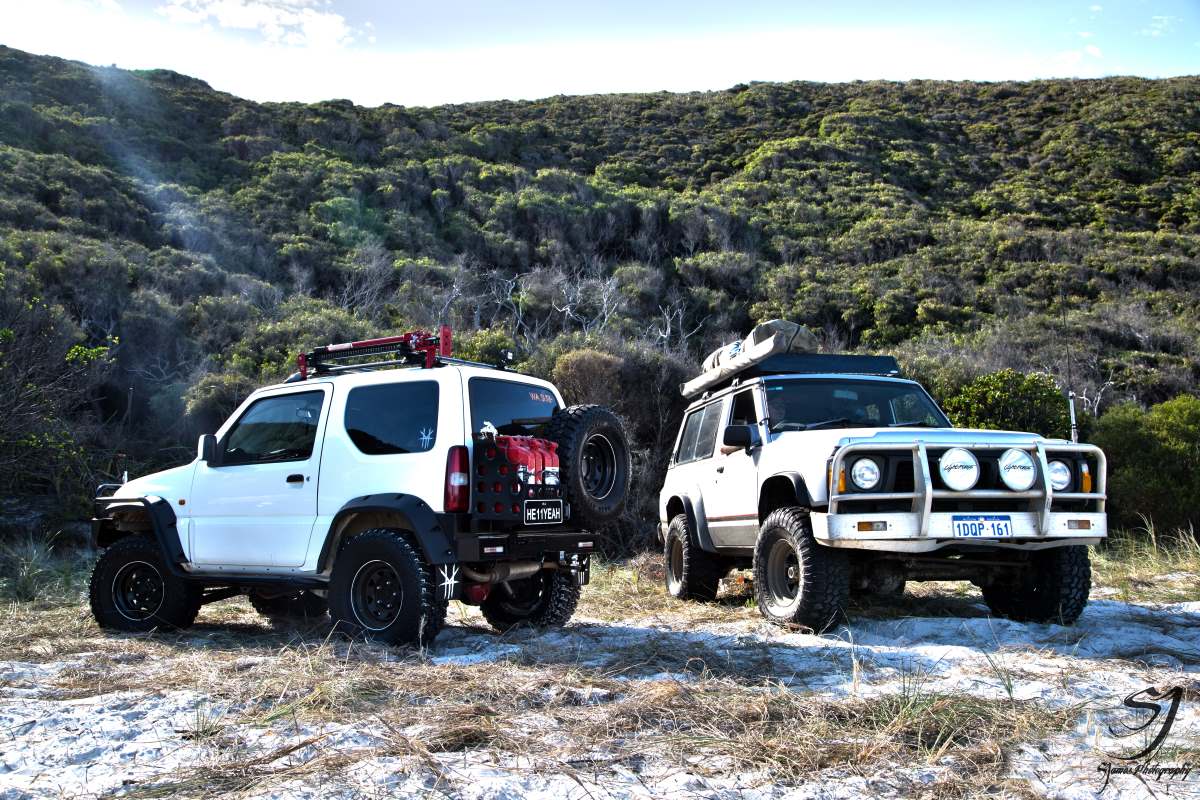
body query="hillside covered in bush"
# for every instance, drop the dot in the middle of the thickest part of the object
(165, 247)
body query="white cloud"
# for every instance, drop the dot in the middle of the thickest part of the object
(1095, 9)
(1159, 26)
(1086, 34)
(1093, 51)
(289, 57)
(299, 23)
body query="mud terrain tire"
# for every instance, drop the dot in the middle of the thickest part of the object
(594, 463)
(1054, 587)
(382, 589)
(689, 572)
(544, 600)
(295, 605)
(796, 580)
(132, 590)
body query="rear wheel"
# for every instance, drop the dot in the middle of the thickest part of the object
(381, 588)
(690, 573)
(544, 600)
(290, 605)
(796, 580)
(1053, 587)
(132, 589)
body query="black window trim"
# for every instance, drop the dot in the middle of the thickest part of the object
(274, 396)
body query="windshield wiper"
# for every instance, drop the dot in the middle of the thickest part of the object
(827, 423)
(914, 424)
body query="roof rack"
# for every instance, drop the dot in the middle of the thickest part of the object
(415, 348)
(820, 363)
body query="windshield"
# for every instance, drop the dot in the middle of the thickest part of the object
(810, 404)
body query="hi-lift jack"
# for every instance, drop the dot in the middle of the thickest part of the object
(415, 348)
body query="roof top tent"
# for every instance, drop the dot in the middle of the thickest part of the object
(775, 348)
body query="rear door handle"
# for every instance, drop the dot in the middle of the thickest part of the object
(720, 469)
(295, 478)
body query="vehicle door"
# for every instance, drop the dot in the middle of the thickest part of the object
(693, 451)
(732, 504)
(256, 505)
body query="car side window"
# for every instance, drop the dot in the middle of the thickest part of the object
(743, 412)
(707, 439)
(393, 417)
(691, 430)
(699, 433)
(274, 429)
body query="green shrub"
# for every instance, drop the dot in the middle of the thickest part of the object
(1153, 462)
(1010, 400)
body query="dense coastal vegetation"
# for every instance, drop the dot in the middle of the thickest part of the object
(165, 247)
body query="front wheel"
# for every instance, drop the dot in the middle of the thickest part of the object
(381, 588)
(544, 600)
(132, 589)
(796, 580)
(1053, 587)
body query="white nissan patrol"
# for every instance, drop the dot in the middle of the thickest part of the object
(828, 473)
(381, 481)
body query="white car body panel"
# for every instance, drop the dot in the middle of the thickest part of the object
(247, 519)
(727, 511)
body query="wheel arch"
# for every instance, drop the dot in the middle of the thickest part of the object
(403, 512)
(118, 518)
(781, 490)
(697, 524)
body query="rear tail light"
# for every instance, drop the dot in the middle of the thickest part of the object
(458, 480)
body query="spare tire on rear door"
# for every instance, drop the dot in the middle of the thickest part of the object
(594, 463)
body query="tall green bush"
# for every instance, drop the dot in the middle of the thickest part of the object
(1153, 462)
(1010, 400)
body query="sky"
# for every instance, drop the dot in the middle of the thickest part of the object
(455, 51)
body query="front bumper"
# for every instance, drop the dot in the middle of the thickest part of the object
(908, 533)
(922, 529)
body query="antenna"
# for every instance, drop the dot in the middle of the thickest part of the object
(1062, 290)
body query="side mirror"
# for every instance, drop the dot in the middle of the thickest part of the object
(741, 436)
(206, 450)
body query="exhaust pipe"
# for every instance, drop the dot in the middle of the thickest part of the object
(503, 571)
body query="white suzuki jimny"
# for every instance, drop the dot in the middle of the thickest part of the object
(828, 474)
(381, 481)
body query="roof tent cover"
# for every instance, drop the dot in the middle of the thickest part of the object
(768, 339)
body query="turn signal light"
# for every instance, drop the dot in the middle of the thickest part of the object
(1086, 481)
(869, 527)
(1079, 524)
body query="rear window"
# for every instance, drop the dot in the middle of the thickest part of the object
(393, 417)
(510, 407)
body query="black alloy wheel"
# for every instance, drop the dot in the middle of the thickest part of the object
(138, 591)
(377, 595)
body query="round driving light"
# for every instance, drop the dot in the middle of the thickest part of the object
(865, 474)
(1060, 475)
(959, 469)
(1017, 470)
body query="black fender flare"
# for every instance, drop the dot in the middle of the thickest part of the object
(163, 523)
(437, 546)
(698, 526)
(803, 498)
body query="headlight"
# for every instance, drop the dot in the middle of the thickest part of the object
(865, 474)
(1017, 470)
(959, 469)
(1060, 475)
